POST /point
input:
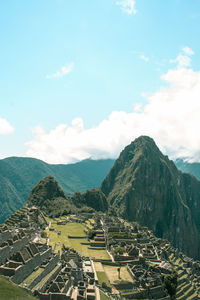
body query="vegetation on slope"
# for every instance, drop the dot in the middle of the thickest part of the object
(50, 198)
(170, 282)
(11, 291)
(19, 175)
(145, 186)
(92, 198)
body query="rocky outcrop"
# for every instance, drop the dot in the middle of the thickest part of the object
(145, 186)
(50, 198)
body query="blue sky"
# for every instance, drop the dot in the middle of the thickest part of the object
(93, 62)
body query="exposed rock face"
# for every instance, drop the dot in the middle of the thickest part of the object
(145, 186)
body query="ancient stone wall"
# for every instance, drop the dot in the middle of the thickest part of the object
(157, 292)
(7, 251)
(19, 244)
(7, 272)
(28, 268)
(42, 289)
(54, 297)
(52, 263)
(4, 254)
(5, 235)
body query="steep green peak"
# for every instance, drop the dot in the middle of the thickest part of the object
(46, 189)
(144, 140)
(141, 146)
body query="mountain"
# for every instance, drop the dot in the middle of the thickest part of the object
(145, 186)
(50, 198)
(94, 199)
(18, 175)
(186, 167)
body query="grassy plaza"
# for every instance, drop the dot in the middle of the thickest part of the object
(76, 230)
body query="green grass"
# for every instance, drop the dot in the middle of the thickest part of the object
(89, 224)
(113, 276)
(103, 296)
(102, 277)
(44, 279)
(31, 277)
(74, 229)
(10, 291)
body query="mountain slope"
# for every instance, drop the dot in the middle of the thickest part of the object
(145, 186)
(49, 197)
(19, 175)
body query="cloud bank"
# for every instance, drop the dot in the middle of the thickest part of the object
(171, 116)
(5, 127)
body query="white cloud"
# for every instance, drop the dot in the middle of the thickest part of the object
(188, 51)
(183, 59)
(127, 6)
(137, 107)
(63, 71)
(170, 116)
(145, 58)
(5, 127)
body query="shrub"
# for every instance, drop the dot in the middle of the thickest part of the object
(43, 234)
(91, 234)
(170, 282)
(119, 251)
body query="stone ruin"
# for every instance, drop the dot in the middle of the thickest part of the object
(35, 267)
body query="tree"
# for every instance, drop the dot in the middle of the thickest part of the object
(43, 234)
(170, 282)
(119, 251)
(91, 234)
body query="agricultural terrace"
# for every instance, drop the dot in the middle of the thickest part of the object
(79, 244)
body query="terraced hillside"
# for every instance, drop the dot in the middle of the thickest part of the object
(107, 257)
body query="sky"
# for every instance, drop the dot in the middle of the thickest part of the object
(82, 79)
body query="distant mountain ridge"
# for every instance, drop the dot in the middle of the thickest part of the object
(18, 175)
(186, 167)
